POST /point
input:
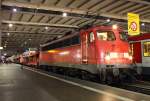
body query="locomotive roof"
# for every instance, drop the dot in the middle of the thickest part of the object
(71, 34)
(140, 37)
(101, 27)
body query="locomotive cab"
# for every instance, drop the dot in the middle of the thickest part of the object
(108, 48)
(113, 48)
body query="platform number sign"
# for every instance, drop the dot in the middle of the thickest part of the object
(133, 24)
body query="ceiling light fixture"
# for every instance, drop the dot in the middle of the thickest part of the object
(14, 10)
(5, 54)
(8, 34)
(10, 25)
(64, 14)
(143, 24)
(1, 48)
(46, 28)
(108, 20)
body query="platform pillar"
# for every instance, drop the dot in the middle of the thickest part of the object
(0, 26)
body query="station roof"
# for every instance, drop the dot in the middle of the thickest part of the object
(29, 23)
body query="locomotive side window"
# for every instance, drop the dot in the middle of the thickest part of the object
(91, 39)
(106, 35)
(123, 36)
(146, 48)
(67, 42)
(75, 40)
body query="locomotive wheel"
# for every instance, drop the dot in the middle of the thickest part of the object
(139, 70)
(116, 72)
(109, 80)
(71, 72)
(106, 77)
(84, 75)
(54, 70)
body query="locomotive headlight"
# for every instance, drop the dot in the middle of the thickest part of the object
(126, 55)
(113, 55)
(107, 57)
(130, 57)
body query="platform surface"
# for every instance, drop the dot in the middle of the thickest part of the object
(25, 85)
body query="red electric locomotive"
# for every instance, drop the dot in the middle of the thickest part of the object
(101, 50)
(140, 46)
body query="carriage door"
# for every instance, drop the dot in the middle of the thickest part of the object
(91, 48)
(136, 52)
(88, 48)
(84, 47)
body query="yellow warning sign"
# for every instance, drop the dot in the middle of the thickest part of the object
(133, 24)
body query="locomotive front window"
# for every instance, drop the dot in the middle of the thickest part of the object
(105, 35)
(123, 36)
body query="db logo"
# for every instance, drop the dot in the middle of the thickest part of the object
(133, 26)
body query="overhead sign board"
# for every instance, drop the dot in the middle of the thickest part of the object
(133, 24)
(33, 49)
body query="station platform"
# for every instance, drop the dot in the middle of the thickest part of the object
(26, 84)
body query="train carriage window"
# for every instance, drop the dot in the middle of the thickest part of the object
(146, 49)
(106, 35)
(91, 38)
(67, 42)
(75, 40)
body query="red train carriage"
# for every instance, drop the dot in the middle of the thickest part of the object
(141, 52)
(99, 50)
(16, 59)
(30, 58)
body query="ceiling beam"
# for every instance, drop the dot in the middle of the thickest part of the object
(44, 7)
(38, 24)
(72, 12)
(140, 2)
(32, 33)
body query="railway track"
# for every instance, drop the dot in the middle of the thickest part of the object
(139, 86)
